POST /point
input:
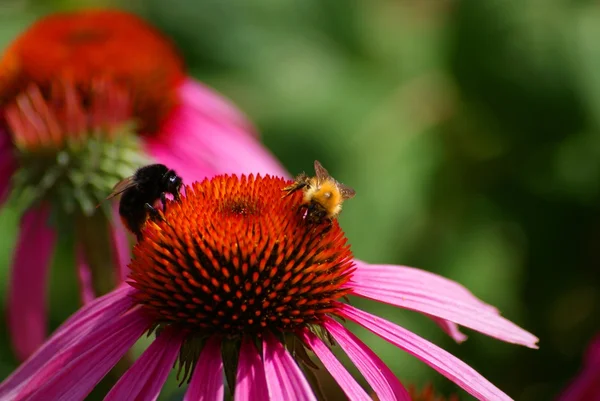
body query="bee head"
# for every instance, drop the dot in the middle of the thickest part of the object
(173, 183)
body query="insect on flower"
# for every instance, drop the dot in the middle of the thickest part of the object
(140, 192)
(323, 195)
(237, 290)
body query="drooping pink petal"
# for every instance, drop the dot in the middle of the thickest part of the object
(28, 282)
(352, 389)
(120, 245)
(434, 297)
(197, 146)
(405, 276)
(380, 274)
(207, 380)
(74, 372)
(7, 169)
(382, 380)
(250, 382)
(84, 275)
(586, 386)
(72, 330)
(146, 377)
(212, 104)
(450, 328)
(8, 164)
(285, 380)
(440, 360)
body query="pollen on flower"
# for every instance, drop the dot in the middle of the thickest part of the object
(83, 46)
(233, 257)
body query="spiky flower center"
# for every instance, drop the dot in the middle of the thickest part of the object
(76, 89)
(234, 257)
(83, 46)
(72, 144)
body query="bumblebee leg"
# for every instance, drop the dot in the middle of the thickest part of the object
(163, 199)
(300, 183)
(304, 211)
(152, 212)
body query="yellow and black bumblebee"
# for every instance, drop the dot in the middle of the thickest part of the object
(323, 195)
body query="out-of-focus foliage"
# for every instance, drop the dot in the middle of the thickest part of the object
(470, 130)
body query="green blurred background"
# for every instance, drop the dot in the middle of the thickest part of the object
(469, 129)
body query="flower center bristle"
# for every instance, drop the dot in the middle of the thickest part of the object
(76, 90)
(84, 46)
(72, 144)
(234, 257)
(67, 116)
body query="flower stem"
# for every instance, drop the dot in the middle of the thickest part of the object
(93, 235)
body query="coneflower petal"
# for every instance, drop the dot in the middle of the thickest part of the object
(212, 105)
(352, 389)
(207, 380)
(383, 275)
(449, 328)
(7, 164)
(28, 282)
(197, 147)
(250, 381)
(409, 277)
(78, 325)
(468, 315)
(286, 380)
(440, 360)
(73, 372)
(382, 380)
(84, 276)
(586, 386)
(424, 296)
(146, 377)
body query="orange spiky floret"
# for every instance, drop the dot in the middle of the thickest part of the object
(234, 257)
(79, 47)
(65, 118)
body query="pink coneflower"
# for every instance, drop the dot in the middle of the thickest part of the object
(586, 386)
(85, 99)
(236, 285)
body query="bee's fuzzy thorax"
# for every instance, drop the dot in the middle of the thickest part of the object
(326, 194)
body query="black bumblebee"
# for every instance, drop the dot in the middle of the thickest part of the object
(140, 192)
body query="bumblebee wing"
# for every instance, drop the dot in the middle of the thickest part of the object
(320, 171)
(118, 189)
(121, 187)
(346, 191)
